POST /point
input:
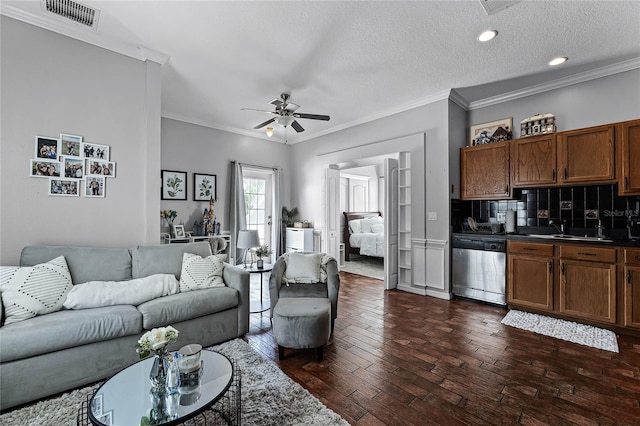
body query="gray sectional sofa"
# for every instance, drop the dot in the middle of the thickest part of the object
(55, 352)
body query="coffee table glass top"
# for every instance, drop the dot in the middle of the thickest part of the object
(125, 399)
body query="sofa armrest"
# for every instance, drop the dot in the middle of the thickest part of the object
(333, 286)
(238, 279)
(275, 282)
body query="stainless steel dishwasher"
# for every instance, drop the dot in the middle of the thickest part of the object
(478, 268)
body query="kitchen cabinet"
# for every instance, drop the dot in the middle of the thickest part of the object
(533, 161)
(485, 173)
(631, 285)
(588, 282)
(586, 156)
(530, 275)
(629, 158)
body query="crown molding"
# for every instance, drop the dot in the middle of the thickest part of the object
(582, 77)
(91, 36)
(457, 99)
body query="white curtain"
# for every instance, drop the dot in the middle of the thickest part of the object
(237, 215)
(276, 228)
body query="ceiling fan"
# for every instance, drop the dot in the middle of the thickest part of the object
(286, 114)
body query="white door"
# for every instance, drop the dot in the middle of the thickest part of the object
(258, 190)
(391, 223)
(331, 212)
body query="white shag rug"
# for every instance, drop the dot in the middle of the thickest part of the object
(269, 397)
(560, 329)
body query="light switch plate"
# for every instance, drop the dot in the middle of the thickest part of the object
(432, 216)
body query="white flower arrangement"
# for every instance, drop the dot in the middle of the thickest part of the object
(156, 340)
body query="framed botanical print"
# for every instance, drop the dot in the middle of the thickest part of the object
(204, 187)
(174, 185)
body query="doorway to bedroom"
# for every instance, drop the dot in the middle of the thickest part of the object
(364, 199)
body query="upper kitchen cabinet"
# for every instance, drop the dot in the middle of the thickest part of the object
(533, 161)
(587, 156)
(629, 159)
(484, 172)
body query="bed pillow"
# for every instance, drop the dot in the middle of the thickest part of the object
(355, 226)
(367, 224)
(377, 228)
(201, 272)
(34, 290)
(303, 268)
(96, 294)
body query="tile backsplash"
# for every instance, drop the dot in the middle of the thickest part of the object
(579, 207)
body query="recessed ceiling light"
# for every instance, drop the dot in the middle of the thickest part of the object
(559, 60)
(487, 35)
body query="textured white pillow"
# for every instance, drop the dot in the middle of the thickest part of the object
(198, 272)
(303, 267)
(34, 290)
(95, 294)
(377, 228)
(366, 225)
(354, 226)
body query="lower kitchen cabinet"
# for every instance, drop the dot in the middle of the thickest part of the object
(631, 285)
(530, 276)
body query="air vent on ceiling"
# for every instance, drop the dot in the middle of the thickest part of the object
(75, 11)
(494, 6)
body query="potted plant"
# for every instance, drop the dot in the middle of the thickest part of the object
(262, 251)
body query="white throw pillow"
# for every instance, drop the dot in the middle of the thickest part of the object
(303, 267)
(198, 272)
(34, 290)
(95, 294)
(366, 225)
(354, 226)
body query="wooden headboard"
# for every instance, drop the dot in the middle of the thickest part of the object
(345, 236)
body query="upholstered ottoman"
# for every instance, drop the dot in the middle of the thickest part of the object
(302, 323)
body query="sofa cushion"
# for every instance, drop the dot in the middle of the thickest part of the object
(34, 290)
(95, 294)
(67, 329)
(201, 272)
(183, 306)
(164, 258)
(85, 263)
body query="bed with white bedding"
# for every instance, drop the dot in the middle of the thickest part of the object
(363, 234)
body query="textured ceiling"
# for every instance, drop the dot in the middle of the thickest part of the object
(353, 60)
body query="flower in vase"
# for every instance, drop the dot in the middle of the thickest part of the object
(156, 341)
(168, 215)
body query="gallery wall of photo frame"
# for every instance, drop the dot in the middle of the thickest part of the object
(68, 161)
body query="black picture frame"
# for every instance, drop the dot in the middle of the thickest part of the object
(204, 186)
(174, 185)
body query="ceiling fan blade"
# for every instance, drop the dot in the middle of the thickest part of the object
(276, 102)
(311, 116)
(297, 127)
(258, 110)
(269, 121)
(290, 106)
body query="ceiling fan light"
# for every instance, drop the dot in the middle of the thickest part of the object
(269, 131)
(284, 120)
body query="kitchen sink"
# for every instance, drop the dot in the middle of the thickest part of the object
(570, 238)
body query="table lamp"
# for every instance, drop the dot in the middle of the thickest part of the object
(247, 239)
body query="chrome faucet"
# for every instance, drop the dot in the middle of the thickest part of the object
(558, 228)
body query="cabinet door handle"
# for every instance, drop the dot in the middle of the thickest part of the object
(626, 182)
(565, 173)
(529, 249)
(562, 268)
(553, 174)
(506, 191)
(550, 267)
(629, 277)
(586, 254)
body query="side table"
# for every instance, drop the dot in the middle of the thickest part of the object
(254, 270)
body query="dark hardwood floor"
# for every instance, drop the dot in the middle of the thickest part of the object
(396, 358)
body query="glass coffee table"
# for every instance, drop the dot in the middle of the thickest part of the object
(212, 393)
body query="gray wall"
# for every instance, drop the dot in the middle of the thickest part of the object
(52, 84)
(600, 101)
(193, 148)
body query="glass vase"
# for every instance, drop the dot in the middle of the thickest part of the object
(158, 373)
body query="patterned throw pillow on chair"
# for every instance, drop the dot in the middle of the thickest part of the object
(34, 290)
(198, 272)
